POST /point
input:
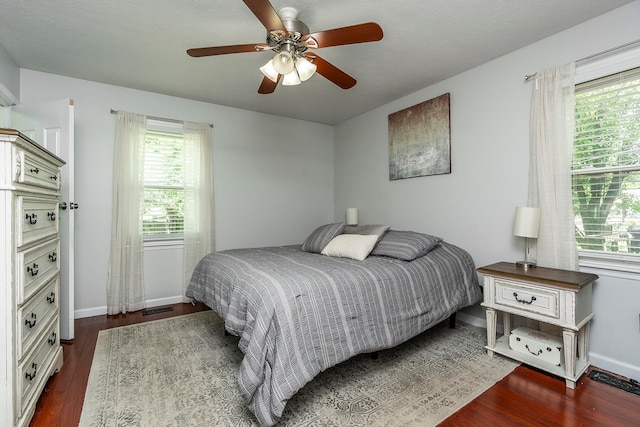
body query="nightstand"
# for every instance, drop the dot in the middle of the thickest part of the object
(549, 295)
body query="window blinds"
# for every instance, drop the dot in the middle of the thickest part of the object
(163, 184)
(606, 163)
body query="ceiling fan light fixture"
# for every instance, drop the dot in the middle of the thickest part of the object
(269, 71)
(283, 63)
(305, 69)
(289, 39)
(291, 79)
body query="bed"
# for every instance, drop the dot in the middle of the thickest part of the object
(301, 309)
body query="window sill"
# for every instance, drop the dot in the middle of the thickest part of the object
(624, 266)
(163, 243)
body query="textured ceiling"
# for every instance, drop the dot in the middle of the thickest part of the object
(141, 44)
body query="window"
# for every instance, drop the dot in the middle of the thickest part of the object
(163, 212)
(606, 171)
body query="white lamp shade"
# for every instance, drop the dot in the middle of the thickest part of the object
(283, 63)
(352, 216)
(269, 71)
(291, 79)
(305, 69)
(526, 222)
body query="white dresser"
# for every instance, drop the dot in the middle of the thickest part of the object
(30, 274)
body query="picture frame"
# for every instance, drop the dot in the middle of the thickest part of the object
(420, 139)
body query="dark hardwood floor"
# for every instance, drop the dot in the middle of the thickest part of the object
(526, 397)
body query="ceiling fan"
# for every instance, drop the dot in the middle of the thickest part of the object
(290, 39)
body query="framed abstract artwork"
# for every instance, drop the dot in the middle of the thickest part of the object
(420, 140)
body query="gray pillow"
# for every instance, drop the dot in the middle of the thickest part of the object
(321, 237)
(375, 229)
(405, 245)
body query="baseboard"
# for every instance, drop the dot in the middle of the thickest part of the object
(615, 366)
(90, 312)
(164, 301)
(471, 320)
(101, 311)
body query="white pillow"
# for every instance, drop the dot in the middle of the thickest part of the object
(355, 246)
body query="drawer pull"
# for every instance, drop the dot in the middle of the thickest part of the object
(51, 215)
(31, 323)
(33, 218)
(523, 301)
(33, 270)
(35, 170)
(535, 353)
(54, 177)
(53, 257)
(51, 298)
(31, 376)
(53, 338)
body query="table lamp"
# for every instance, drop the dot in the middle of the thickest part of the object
(526, 224)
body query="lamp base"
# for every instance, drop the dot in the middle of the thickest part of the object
(525, 264)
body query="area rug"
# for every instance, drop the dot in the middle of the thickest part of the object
(181, 371)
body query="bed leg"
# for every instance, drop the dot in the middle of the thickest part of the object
(452, 321)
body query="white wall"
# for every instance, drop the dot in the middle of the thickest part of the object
(9, 79)
(474, 205)
(272, 186)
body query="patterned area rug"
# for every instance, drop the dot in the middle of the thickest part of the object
(182, 372)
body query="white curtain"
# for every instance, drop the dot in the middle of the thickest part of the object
(125, 287)
(551, 145)
(199, 238)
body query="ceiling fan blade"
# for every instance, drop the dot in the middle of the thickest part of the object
(361, 33)
(221, 50)
(268, 86)
(266, 14)
(333, 73)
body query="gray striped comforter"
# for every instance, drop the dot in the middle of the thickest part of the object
(299, 313)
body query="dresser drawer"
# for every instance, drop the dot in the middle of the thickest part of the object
(32, 170)
(527, 298)
(36, 266)
(37, 219)
(35, 315)
(36, 368)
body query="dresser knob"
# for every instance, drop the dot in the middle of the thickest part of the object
(31, 322)
(53, 338)
(31, 375)
(33, 270)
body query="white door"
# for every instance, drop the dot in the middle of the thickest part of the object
(51, 124)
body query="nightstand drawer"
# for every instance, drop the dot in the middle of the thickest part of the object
(527, 298)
